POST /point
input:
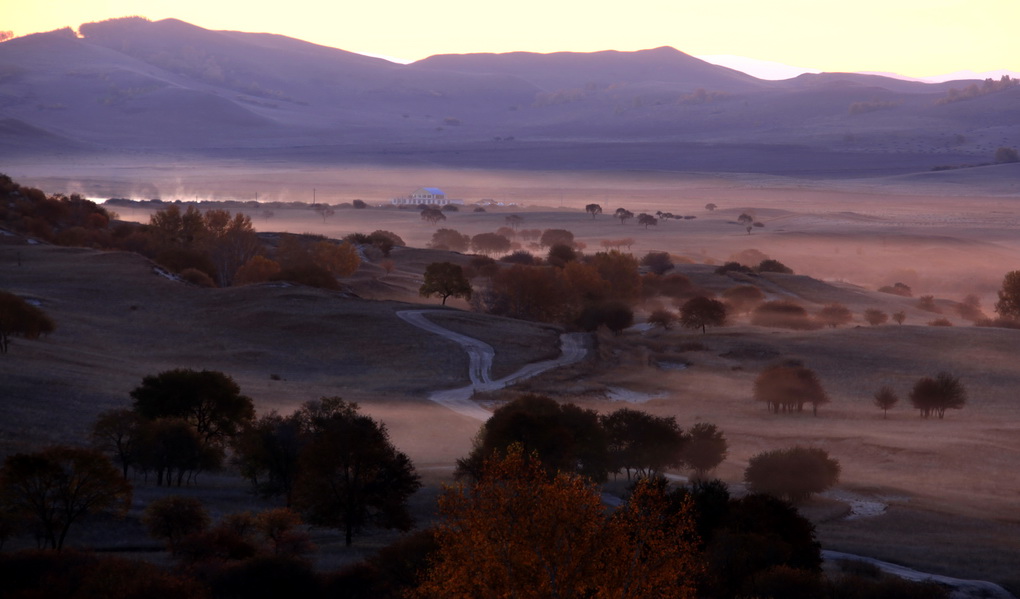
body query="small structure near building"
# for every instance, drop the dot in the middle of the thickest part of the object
(429, 196)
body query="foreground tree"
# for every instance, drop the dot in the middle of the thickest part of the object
(445, 279)
(642, 443)
(172, 518)
(936, 395)
(350, 474)
(18, 317)
(519, 532)
(786, 387)
(59, 485)
(701, 312)
(792, 474)
(1008, 305)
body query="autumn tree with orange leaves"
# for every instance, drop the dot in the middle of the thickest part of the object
(520, 532)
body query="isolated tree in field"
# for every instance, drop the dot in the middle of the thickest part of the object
(663, 318)
(57, 486)
(1008, 305)
(657, 262)
(899, 289)
(936, 395)
(886, 398)
(623, 214)
(350, 473)
(1004, 155)
(710, 206)
(742, 298)
(647, 220)
(445, 279)
(432, 215)
(593, 210)
(642, 443)
(519, 532)
(875, 317)
(701, 312)
(793, 474)
(172, 518)
(490, 243)
(705, 449)
(745, 219)
(899, 317)
(210, 401)
(449, 239)
(788, 387)
(323, 210)
(18, 317)
(834, 315)
(562, 436)
(513, 221)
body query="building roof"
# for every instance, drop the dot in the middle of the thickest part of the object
(433, 190)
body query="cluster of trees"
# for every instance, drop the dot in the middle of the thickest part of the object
(788, 387)
(793, 474)
(988, 86)
(63, 220)
(566, 437)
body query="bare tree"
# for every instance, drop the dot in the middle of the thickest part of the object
(885, 398)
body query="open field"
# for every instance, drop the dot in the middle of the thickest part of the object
(950, 484)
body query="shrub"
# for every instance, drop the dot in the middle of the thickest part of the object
(784, 314)
(875, 317)
(773, 266)
(927, 303)
(897, 289)
(196, 277)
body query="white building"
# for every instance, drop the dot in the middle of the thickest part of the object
(430, 196)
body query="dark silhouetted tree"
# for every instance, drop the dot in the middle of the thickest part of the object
(770, 265)
(449, 239)
(788, 387)
(886, 398)
(647, 220)
(936, 395)
(705, 449)
(657, 262)
(116, 432)
(18, 317)
(551, 237)
(710, 207)
(701, 312)
(350, 473)
(899, 289)
(432, 215)
(899, 317)
(615, 316)
(57, 486)
(793, 474)
(623, 214)
(643, 443)
(663, 318)
(875, 317)
(1008, 305)
(490, 243)
(560, 255)
(593, 209)
(445, 279)
(266, 452)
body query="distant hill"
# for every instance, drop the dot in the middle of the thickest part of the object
(131, 85)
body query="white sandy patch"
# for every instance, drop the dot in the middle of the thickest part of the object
(630, 396)
(962, 589)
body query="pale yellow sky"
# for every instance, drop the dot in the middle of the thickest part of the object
(911, 37)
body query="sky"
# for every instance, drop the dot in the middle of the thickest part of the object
(917, 38)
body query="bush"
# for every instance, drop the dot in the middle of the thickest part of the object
(615, 316)
(927, 303)
(875, 317)
(793, 474)
(196, 277)
(773, 266)
(657, 262)
(783, 314)
(897, 289)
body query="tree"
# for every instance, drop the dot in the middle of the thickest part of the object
(657, 262)
(899, 317)
(173, 450)
(623, 214)
(490, 243)
(875, 317)
(593, 209)
(551, 237)
(710, 207)
(445, 279)
(782, 313)
(172, 518)
(742, 298)
(563, 437)
(519, 532)
(350, 473)
(229, 241)
(1008, 305)
(18, 317)
(340, 259)
(643, 443)
(621, 273)
(701, 312)
(359, 204)
(770, 265)
(208, 400)
(59, 485)
(885, 398)
(936, 395)
(792, 474)
(647, 220)
(258, 269)
(705, 449)
(432, 215)
(117, 432)
(662, 318)
(788, 386)
(834, 315)
(1004, 155)
(323, 210)
(513, 221)
(449, 239)
(267, 452)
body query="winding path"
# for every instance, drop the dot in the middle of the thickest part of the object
(961, 588)
(480, 355)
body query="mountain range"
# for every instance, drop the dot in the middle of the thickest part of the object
(134, 86)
